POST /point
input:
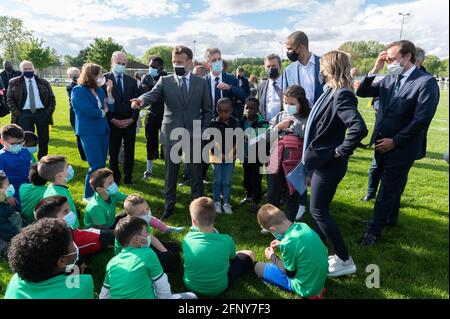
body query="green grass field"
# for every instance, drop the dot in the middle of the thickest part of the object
(413, 258)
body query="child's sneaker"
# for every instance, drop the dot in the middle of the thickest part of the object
(227, 209)
(341, 268)
(218, 208)
(300, 212)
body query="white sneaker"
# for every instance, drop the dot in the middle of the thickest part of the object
(300, 212)
(340, 267)
(218, 208)
(227, 209)
(264, 231)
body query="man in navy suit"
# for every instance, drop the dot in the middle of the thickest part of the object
(408, 99)
(220, 83)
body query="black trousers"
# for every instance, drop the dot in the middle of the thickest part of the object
(394, 177)
(276, 184)
(324, 183)
(171, 177)
(128, 136)
(152, 128)
(252, 181)
(170, 260)
(41, 120)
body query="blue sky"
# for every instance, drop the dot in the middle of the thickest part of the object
(240, 28)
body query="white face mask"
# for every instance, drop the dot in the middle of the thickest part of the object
(77, 252)
(396, 68)
(291, 109)
(101, 81)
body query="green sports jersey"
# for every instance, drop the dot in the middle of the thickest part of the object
(303, 251)
(53, 190)
(101, 212)
(130, 274)
(206, 261)
(30, 195)
(58, 287)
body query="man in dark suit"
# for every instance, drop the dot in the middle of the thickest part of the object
(245, 86)
(8, 73)
(187, 103)
(32, 103)
(271, 89)
(408, 99)
(123, 119)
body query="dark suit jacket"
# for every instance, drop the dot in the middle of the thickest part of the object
(337, 127)
(148, 82)
(179, 114)
(69, 89)
(245, 87)
(236, 93)
(263, 94)
(122, 107)
(16, 96)
(407, 117)
(5, 78)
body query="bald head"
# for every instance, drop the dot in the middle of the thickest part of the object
(119, 57)
(26, 66)
(296, 39)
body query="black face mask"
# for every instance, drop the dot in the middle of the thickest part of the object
(292, 55)
(75, 78)
(273, 73)
(9, 68)
(179, 70)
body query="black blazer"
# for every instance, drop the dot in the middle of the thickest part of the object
(337, 127)
(122, 108)
(406, 117)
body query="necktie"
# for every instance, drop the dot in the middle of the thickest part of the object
(184, 91)
(398, 84)
(277, 89)
(119, 83)
(216, 93)
(32, 99)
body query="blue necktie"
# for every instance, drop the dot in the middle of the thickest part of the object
(119, 83)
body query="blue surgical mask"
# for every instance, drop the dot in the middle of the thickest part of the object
(15, 148)
(278, 236)
(32, 149)
(112, 189)
(71, 172)
(28, 74)
(217, 67)
(153, 72)
(291, 109)
(395, 69)
(10, 191)
(148, 240)
(119, 68)
(72, 265)
(70, 219)
(147, 217)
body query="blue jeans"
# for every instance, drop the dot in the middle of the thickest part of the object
(96, 149)
(223, 174)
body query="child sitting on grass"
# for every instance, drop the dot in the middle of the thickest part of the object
(31, 143)
(31, 193)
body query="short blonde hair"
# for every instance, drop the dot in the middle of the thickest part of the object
(132, 201)
(336, 65)
(270, 215)
(203, 211)
(211, 51)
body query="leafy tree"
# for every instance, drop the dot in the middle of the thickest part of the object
(359, 50)
(163, 51)
(101, 50)
(443, 70)
(433, 64)
(34, 51)
(12, 33)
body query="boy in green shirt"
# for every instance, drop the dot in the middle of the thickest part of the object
(303, 267)
(56, 170)
(31, 193)
(31, 142)
(39, 256)
(136, 273)
(211, 263)
(101, 210)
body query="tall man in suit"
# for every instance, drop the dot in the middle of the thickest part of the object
(408, 99)
(271, 89)
(186, 99)
(305, 67)
(245, 86)
(32, 103)
(123, 119)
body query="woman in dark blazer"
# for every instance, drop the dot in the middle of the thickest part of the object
(90, 106)
(333, 132)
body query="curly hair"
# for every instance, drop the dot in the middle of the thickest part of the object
(35, 251)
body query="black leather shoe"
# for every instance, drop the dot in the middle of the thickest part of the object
(368, 240)
(128, 181)
(367, 198)
(167, 214)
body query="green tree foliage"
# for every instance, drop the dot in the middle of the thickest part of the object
(101, 50)
(35, 51)
(12, 33)
(163, 51)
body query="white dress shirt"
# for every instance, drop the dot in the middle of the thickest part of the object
(37, 97)
(273, 100)
(213, 85)
(188, 79)
(307, 78)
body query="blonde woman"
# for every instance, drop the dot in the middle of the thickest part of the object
(333, 131)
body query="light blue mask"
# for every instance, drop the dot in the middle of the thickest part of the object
(112, 189)
(10, 191)
(32, 149)
(278, 236)
(71, 172)
(148, 241)
(217, 67)
(70, 219)
(148, 217)
(153, 72)
(119, 69)
(15, 148)
(291, 109)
